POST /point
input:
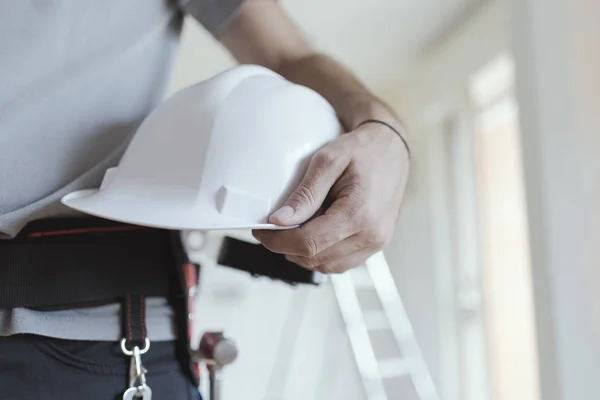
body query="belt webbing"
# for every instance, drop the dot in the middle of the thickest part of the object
(60, 263)
(133, 313)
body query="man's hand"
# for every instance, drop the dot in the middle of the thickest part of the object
(362, 175)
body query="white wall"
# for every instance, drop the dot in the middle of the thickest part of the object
(419, 252)
(555, 43)
(557, 51)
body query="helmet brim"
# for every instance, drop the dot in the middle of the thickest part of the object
(152, 214)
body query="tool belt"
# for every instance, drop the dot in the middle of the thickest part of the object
(62, 263)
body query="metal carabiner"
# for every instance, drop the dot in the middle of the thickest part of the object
(132, 393)
(138, 388)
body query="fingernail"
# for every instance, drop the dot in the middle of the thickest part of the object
(283, 213)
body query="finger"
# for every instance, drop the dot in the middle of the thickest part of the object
(337, 267)
(315, 236)
(337, 252)
(323, 171)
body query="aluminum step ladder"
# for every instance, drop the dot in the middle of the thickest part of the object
(403, 376)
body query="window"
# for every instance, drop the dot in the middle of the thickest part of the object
(494, 316)
(503, 235)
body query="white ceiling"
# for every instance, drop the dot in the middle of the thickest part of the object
(376, 38)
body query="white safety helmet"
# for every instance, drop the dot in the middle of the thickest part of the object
(222, 154)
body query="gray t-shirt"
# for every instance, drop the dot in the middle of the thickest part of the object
(76, 79)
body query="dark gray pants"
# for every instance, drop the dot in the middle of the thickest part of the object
(39, 368)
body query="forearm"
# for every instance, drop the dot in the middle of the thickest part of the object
(352, 101)
(263, 34)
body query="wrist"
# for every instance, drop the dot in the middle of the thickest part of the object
(373, 109)
(390, 128)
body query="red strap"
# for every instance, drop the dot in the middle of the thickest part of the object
(86, 230)
(190, 273)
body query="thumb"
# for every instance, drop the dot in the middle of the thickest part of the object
(322, 173)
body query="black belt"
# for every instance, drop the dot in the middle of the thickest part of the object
(75, 262)
(65, 262)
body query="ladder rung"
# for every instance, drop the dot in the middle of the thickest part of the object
(384, 284)
(359, 337)
(376, 279)
(393, 368)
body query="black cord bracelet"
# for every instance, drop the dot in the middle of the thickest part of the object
(376, 121)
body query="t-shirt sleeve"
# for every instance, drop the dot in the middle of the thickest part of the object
(214, 15)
